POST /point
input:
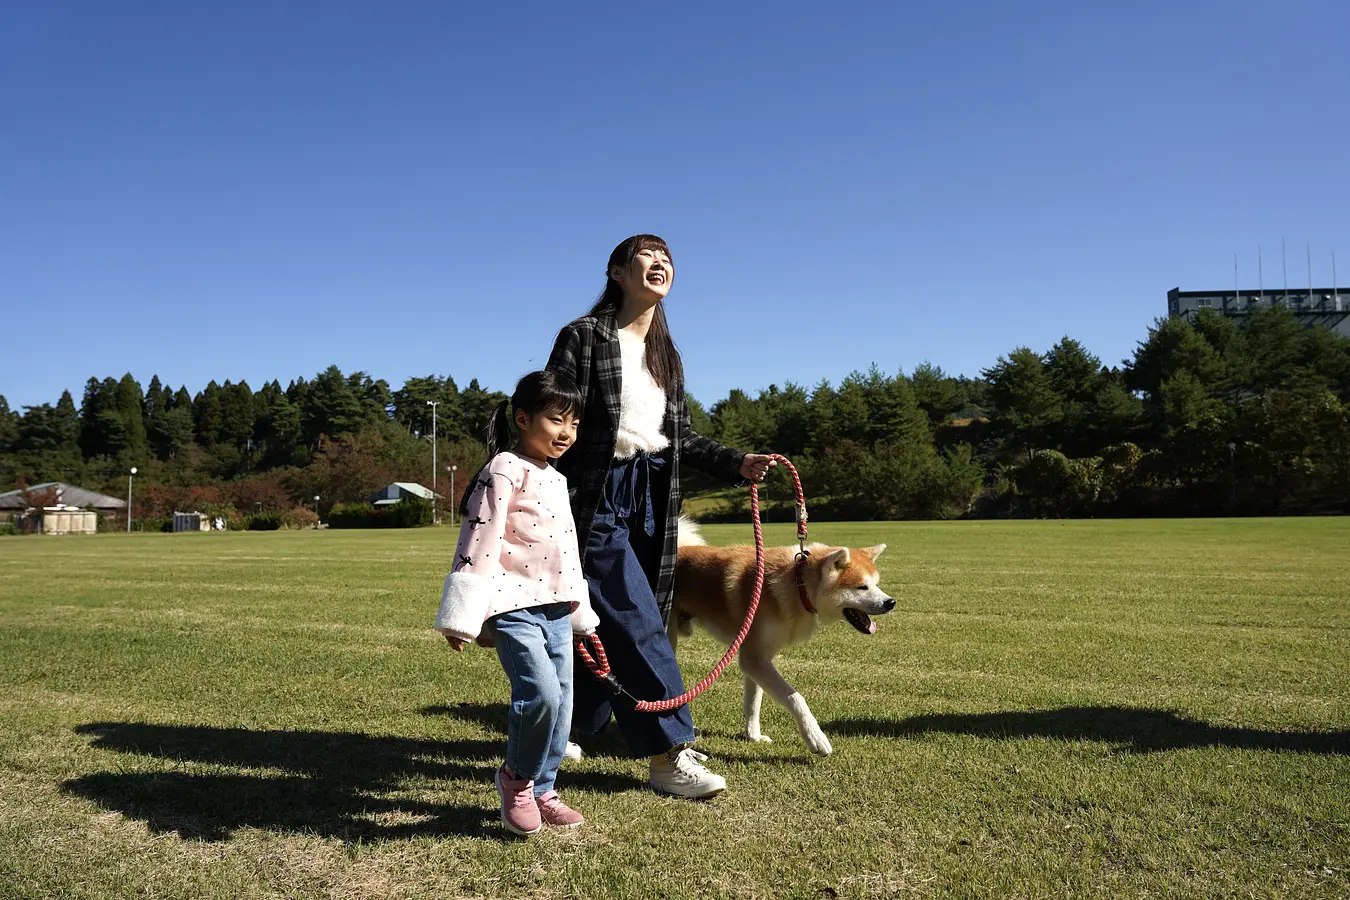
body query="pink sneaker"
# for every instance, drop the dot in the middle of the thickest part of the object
(520, 815)
(557, 814)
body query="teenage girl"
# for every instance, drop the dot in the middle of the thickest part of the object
(517, 577)
(625, 472)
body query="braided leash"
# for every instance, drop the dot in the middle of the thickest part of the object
(599, 664)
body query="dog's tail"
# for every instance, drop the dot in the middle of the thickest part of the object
(687, 534)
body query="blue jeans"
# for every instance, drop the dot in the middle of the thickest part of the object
(620, 552)
(535, 648)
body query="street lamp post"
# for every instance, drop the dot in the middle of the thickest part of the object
(316, 510)
(452, 495)
(432, 404)
(130, 475)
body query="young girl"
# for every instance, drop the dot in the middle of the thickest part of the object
(517, 574)
(626, 475)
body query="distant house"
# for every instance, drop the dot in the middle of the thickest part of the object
(58, 493)
(400, 489)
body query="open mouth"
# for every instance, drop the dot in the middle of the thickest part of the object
(656, 278)
(860, 620)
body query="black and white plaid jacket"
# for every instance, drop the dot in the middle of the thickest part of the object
(587, 351)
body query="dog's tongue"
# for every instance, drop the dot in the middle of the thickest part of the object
(861, 621)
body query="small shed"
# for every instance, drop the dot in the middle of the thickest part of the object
(191, 521)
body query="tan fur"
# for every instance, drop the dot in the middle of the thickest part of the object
(713, 586)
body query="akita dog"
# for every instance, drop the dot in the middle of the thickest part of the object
(713, 587)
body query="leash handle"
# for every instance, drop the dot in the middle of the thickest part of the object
(601, 669)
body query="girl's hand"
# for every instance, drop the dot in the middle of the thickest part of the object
(457, 643)
(755, 465)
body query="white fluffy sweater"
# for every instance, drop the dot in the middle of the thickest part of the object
(642, 409)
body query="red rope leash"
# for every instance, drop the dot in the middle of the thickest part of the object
(599, 664)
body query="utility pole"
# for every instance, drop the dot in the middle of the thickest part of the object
(432, 404)
(130, 475)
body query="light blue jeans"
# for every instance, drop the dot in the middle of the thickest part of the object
(535, 648)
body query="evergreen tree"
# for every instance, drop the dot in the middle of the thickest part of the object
(850, 411)
(935, 393)
(130, 402)
(174, 431)
(47, 439)
(893, 413)
(1025, 402)
(9, 427)
(182, 399)
(208, 417)
(331, 407)
(699, 420)
(1075, 374)
(790, 418)
(1273, 340)
(278, 428)
(155, 401)
(373, 396)
(824, 416)
(478, 405)
(411, 409)
(236, 414)
(1172, 346)
(740, 422)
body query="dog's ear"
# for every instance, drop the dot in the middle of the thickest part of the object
(876, 551)
(838, 559)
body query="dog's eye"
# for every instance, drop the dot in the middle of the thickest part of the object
(862, 587)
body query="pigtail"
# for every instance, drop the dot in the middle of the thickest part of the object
(497, 436)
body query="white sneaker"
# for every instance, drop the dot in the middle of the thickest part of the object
(572, 751)
(680, 773)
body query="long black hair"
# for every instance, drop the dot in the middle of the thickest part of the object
(663, 359)
(538, 392)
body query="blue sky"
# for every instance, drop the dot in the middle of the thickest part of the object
(258, 190)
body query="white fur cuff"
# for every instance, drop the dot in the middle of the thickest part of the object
(584, 619)
(464, 605)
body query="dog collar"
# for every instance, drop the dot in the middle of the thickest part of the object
(800, 577)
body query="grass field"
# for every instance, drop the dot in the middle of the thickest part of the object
(1079, 709)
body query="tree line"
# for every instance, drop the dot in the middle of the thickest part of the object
(1207, 418)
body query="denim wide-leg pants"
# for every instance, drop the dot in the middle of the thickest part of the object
(619, 554)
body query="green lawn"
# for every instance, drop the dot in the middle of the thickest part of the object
(1056, 709)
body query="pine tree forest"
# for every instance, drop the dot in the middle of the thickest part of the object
(1207, 418)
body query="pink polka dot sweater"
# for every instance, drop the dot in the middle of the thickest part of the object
(517, 548)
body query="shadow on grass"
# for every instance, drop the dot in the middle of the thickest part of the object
(1130, 729)
(493, 717)
(329, 783)
(610, 742)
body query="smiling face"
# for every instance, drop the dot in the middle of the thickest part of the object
(548, 434)
(647, 278)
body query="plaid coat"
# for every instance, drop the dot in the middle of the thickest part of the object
(587, 351)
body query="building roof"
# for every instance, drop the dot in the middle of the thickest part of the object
(67, 494)
(413, 488)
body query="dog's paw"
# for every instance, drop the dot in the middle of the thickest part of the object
(816, 741)
(758, 738)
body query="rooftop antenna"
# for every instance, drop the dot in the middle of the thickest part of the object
(1284, 263)
(1310, 300)
(1261, 275)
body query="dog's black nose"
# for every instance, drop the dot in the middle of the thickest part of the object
(888, 605)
